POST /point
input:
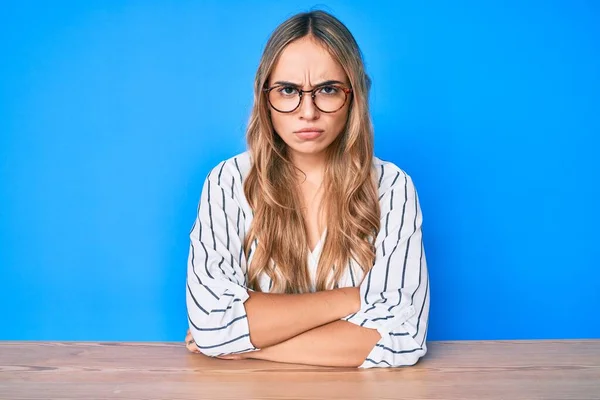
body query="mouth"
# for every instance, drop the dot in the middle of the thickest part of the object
(308, 134)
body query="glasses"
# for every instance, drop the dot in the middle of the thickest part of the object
(327, 98)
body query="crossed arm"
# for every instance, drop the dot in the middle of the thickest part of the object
(307, 329)
(287, 329)
(381, 324)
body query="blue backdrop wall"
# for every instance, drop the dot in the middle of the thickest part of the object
(112, 113)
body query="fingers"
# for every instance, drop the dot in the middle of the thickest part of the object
(231, 357)
(190, 344)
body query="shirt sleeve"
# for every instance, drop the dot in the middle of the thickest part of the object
(216, 281)
(395, 292)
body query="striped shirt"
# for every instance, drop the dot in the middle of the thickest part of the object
(394, 293)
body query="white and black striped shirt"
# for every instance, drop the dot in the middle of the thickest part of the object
(394, 294)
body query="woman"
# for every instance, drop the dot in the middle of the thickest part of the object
(307, 248)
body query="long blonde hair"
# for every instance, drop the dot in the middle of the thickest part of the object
(350, 198)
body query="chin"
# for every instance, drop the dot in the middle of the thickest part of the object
(308, 148)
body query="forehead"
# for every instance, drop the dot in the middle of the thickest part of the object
(307, 62)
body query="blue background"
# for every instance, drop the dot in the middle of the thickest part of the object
(112, 113)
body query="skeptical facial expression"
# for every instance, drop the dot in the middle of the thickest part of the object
(309, 123)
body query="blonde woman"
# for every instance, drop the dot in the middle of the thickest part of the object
(307, 248)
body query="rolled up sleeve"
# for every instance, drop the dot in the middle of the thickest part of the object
(216, 283)
(395, 292)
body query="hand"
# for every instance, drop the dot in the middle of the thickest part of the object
(190, 344)
(232, 357)
(243, 356)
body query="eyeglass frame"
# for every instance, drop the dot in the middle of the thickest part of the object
(313, 94)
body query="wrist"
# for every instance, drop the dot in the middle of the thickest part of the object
(262, 354)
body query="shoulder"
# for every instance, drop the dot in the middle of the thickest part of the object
(233, 169)
(390, 177)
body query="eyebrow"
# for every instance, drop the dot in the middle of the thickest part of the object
(329, 82)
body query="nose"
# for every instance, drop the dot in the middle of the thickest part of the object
(308, 110)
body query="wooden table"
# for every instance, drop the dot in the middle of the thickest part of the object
(546, 369)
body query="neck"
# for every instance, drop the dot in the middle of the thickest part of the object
(313, 165)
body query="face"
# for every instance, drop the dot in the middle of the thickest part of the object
(305, 64)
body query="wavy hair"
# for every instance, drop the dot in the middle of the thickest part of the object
(350, 200)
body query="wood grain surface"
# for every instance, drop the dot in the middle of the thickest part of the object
(544, 369)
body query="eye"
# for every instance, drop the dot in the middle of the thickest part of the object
(329, 90)
(287, 91)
